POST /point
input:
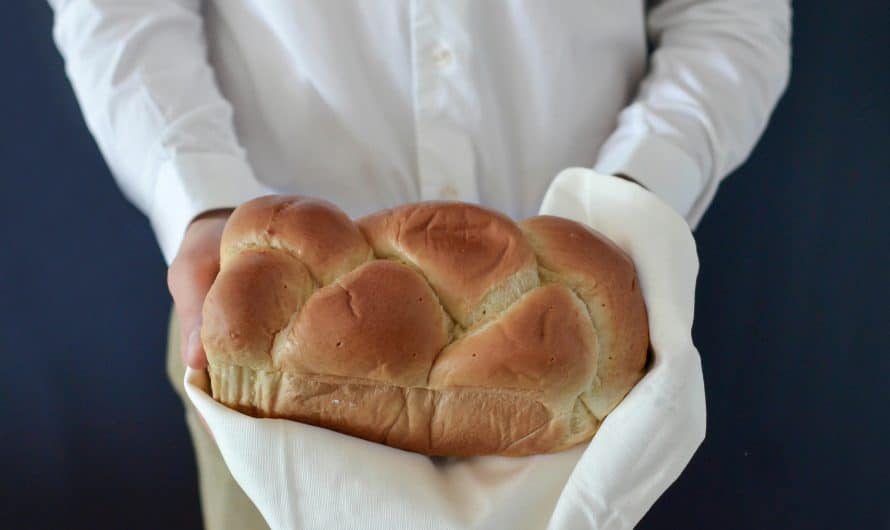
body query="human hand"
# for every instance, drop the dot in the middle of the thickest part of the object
(189, 278)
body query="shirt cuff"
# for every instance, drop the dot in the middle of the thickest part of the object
(663, 168)
(191, 184)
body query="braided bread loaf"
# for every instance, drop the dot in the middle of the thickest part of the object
(442, 328)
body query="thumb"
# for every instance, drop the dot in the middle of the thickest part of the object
(193, 354)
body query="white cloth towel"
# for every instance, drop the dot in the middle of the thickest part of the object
(304, 477)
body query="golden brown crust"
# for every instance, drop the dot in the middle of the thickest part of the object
(604, 278)
(463, 250)
(316, 232)
(441, 328)
(352, 328)
(250, 301)
(543, 344)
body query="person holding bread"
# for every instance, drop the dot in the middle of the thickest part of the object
(201, 106)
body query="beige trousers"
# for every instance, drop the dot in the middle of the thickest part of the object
(223, 504)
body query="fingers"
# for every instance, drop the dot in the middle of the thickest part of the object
(189, 279)
(193, 354)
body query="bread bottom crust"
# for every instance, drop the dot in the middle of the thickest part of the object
(456, 421)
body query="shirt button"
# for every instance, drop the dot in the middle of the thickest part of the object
(442, 56)
(448, 193)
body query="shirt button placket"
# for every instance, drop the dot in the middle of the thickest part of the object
(445, 157)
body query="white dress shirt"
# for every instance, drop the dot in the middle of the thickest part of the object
(199, 105)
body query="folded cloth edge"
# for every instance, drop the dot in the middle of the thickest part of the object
(673, 390)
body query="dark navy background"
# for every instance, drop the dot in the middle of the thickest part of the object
(792, 314)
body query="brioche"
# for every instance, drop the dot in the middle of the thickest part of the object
(442, 328)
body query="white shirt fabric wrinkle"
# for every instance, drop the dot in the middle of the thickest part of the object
(206, 104)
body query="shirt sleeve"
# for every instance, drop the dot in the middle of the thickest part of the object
(716, 72)
(140, 73)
